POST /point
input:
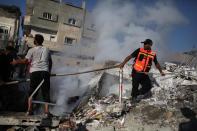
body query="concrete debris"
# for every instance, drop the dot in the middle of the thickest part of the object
(158, 112)
(32, 128)
(29, 128)
(98, 109)
(170, 66)
(15, 128)
(67, 125)
(102, 112)
(20, 119)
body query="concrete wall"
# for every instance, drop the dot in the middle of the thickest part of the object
(47, 36)
(89, 30)
(61, 13)
(70, 32)
(41, 6)
(82, 47)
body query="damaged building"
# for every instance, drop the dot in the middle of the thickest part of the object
(9, 24)
(100, 100)
(65, 27)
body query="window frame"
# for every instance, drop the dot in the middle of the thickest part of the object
(47, 16)
(66, 39)
(72, 21)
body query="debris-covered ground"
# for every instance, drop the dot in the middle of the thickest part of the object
(171, 104)
(160, 111)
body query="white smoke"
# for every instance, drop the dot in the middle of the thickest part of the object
(122, 25)
(63, 87)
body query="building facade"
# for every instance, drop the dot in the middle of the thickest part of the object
(61, 24)
(9, 24)
(67, 29)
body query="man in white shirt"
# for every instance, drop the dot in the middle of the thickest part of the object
(40, 62)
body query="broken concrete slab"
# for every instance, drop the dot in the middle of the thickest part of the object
(19, 118)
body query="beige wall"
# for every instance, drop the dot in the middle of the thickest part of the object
(47, 36)
(68, 31)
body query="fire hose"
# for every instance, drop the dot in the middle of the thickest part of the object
(89, 71)
(66, 74)
(83, 72)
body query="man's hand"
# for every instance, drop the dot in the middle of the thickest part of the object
(20, 61)
(125, 61)
(160, 70)
(121, 65)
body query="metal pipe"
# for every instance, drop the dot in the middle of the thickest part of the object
(31, 96)
(41, 102)
(120, 85)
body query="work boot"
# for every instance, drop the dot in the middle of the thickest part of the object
(29, 113)
(147, 95)
(139, 97)
(48, 115)
(134, 101)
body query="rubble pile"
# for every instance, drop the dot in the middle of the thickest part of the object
(98, 108)
(175, 89)
(161, 111)
(106, 111)
(169, 95)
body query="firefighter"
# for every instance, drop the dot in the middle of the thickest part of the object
(142, 64)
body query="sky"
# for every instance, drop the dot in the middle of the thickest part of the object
(181, 37)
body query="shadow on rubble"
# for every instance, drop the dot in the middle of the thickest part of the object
(191, 125)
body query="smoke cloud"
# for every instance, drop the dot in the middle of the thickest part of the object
(122, 25)
(65, 87)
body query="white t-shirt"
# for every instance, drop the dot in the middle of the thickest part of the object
(39, 58)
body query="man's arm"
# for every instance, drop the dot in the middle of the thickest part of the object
(159, 68)
(125, 61)
(20, 61)
(23, 61)
(133, 55)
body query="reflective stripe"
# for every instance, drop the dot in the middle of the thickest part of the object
(152, 55)
(147, 55)
(138, 65)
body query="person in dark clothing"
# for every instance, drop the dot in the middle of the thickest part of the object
(142, 64)
(4, 77)
(6, 69)
(11, 55)
(3, 66)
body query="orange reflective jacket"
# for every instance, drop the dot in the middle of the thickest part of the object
(144, 60)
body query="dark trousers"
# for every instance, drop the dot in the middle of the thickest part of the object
(144, 80)
(35, 79)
